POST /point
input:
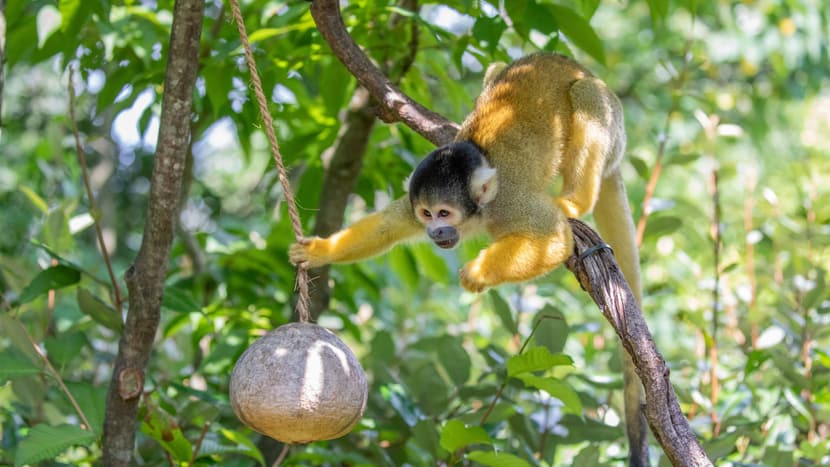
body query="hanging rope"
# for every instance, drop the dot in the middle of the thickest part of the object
(302, 273)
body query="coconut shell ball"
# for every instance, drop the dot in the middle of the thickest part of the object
(299, 383)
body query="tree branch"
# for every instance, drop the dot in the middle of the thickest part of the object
(394, 104)
(145, 278)
(600, 275)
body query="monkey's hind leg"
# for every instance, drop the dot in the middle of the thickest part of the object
(595, 145)
(526, 246)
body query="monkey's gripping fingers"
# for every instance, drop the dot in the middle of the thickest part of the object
(309, 252)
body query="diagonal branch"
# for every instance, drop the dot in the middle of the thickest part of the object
(394, 104)
(600, 275)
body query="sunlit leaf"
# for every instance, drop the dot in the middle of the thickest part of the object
(244, 445)
(455, 435)
(556, 388)
(535, 359)
(46, 442)
(497, 459)
(579, 31)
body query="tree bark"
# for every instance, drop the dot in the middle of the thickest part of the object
(600, 275)
(394, 104)
(145, 278)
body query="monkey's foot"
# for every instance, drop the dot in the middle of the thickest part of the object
(569, 208)
(472, 278)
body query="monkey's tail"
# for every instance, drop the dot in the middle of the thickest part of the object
(616, 226)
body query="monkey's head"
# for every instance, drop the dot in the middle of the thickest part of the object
(448, 188)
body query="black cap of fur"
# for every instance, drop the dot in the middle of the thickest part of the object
(444, 175)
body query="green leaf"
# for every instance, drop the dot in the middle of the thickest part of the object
(13, 364)
(489, 30)
(663, 225)
(455, 435)
(659, 9)
(73, 15)
(504, 311)
(46, 442)
(640, 167)
(455, 360)
(64, 347)
(535, 359)
(497, 459)
(425, 434)
(35, 199)
(556, 388)
(16, 333)
(55, 277)
(552, 330)
(579, 31)
(267, 33)
(180, 300)
(682, 159)
(244, 445)
(160, 426)
(92, 401)
(99, 311)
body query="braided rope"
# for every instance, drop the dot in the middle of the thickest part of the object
(302, 273)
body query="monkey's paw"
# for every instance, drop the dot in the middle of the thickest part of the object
(304, 253)
(569, 208)
(471, 277)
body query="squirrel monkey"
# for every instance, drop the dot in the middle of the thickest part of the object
(541, 117)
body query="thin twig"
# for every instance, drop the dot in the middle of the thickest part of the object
(285, 448)
(716, 250)
(663, 138)
(504, 383)
(116, 290)
(58, 378)
(198, 445)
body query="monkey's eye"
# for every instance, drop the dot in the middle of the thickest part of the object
(443, 213)
(427, 214)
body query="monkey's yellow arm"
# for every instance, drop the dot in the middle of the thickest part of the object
(370, 236)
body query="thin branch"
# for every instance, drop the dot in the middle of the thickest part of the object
(79, 150)
(504, 383)
(600, 275)
(715, 233)
(198, 445)
(677, 85)
(395, 105)
(145, 278)
(57, 376)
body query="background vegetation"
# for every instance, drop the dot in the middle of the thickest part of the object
(728, 115)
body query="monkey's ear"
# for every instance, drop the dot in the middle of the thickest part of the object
(484, 185)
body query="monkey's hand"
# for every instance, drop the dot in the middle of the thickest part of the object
(309, 252)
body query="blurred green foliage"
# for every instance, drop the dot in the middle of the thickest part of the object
(739, 89)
